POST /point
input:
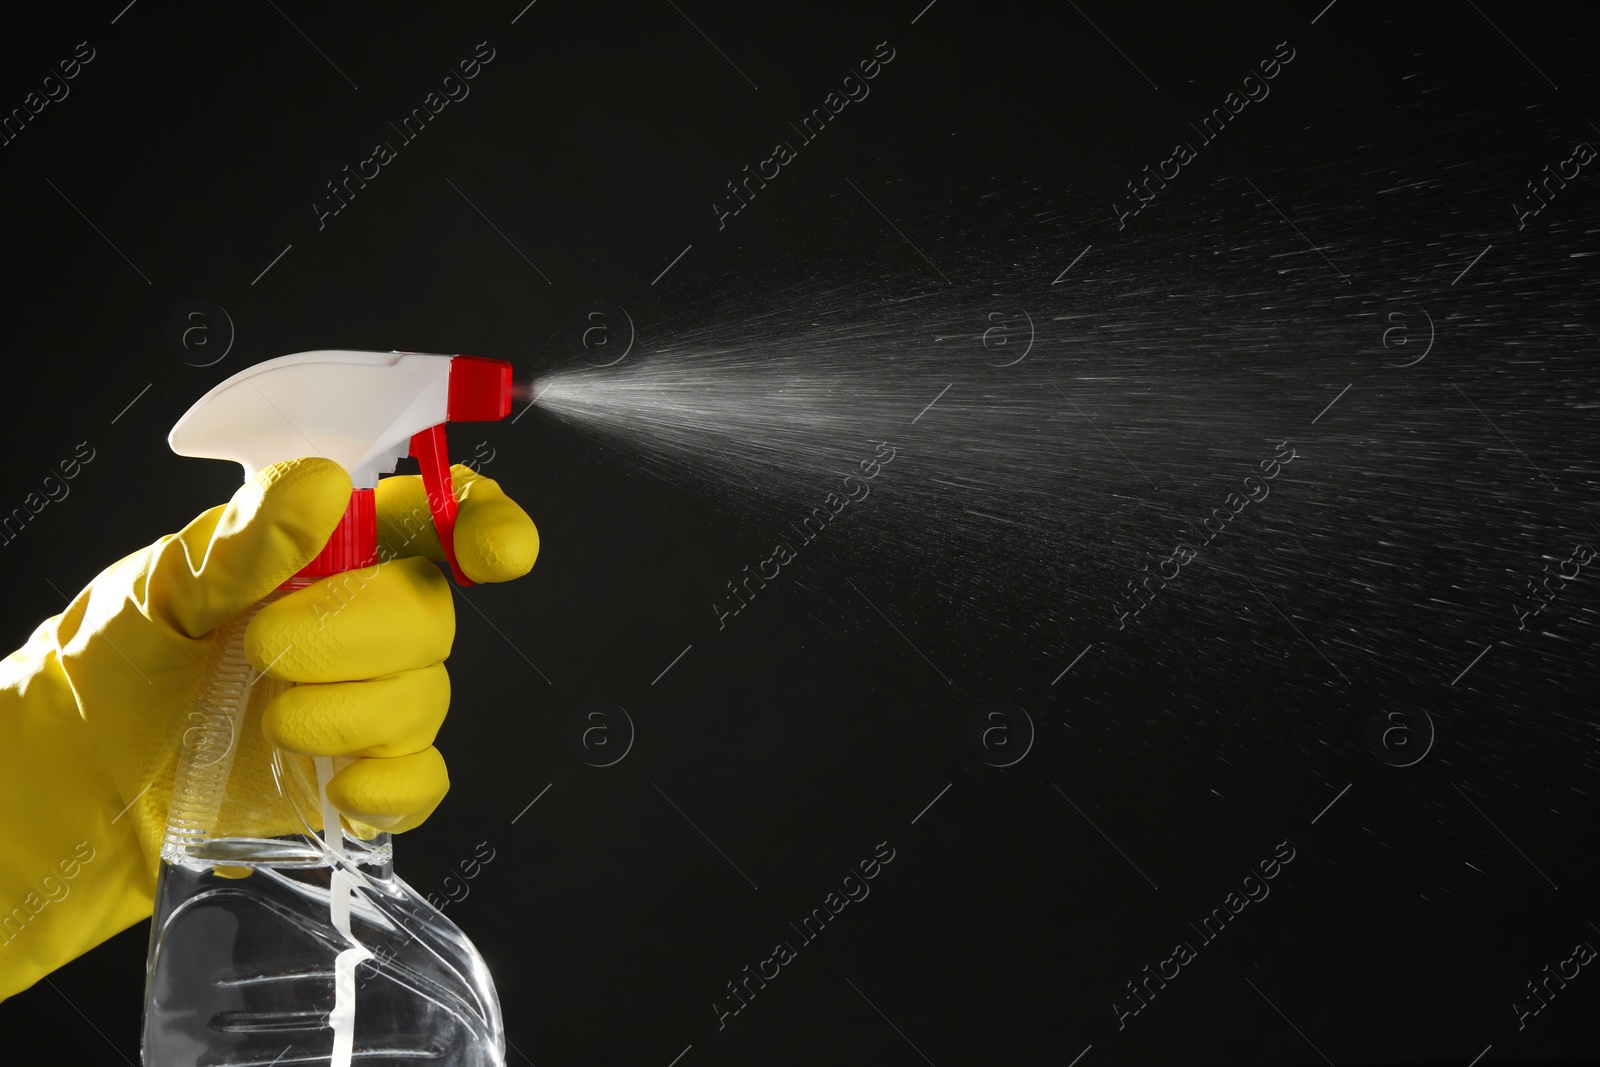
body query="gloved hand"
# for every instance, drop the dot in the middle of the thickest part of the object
(93, 710)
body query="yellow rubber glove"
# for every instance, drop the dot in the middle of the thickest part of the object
(93, 709)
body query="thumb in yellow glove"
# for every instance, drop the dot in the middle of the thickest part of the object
(95, 708)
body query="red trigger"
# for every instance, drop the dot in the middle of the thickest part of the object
(432, 454)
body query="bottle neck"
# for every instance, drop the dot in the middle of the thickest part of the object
(353, 543)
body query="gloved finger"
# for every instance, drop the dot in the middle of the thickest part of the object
(495, 539)
(394, 794)
(395, 715)
(231, 556)
(383, 619)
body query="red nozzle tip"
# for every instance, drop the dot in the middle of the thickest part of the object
(480, 389)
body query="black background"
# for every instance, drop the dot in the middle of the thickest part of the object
(196, 142)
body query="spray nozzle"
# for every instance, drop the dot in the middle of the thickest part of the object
(479, 391)
(363, 410)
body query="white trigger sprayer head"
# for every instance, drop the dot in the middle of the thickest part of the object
(362, 410)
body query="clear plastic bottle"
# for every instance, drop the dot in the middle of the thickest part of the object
(274, 943)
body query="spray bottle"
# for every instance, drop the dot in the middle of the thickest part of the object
(281, 935)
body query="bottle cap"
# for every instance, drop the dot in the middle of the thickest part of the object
(353, 543)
